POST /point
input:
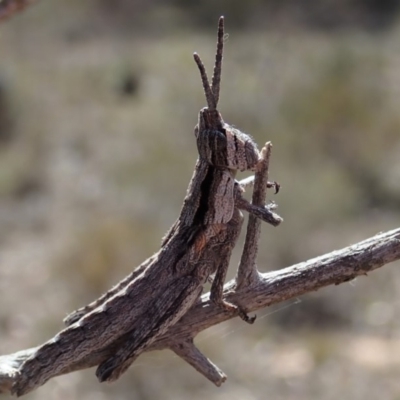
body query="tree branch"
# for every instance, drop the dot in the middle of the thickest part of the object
(269, 288)
(247, 268)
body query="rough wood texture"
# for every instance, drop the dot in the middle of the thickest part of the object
(135, 313)
(158, 305)
(269, 288)
(247, 267)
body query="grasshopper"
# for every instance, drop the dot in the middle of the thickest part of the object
(164, 287)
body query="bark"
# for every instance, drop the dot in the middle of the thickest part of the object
(263, 290)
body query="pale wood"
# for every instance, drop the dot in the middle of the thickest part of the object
(270, 288)
(247, 267)
(193, 356)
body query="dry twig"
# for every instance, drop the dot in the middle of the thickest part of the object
(269, 288)
(156, 307)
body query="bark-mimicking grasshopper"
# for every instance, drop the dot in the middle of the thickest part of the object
(164, 287)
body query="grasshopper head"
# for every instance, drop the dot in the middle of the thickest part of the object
(223, 146)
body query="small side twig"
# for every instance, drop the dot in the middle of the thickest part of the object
(273, 287)
(247, 269)
(192, 355)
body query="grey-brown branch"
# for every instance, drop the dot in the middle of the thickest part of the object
(263, 290)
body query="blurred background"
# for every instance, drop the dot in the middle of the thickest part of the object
(98, 101)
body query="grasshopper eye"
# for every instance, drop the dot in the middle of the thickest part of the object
(242, 152)
(231, 149)
(212, 147)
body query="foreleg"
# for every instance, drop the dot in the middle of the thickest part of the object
(222, 255)
(264, 213)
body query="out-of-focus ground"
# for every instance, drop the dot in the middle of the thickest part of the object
(98, 101)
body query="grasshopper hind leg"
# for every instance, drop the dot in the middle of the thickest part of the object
(163, 313)
(222, 256)
(216, 294)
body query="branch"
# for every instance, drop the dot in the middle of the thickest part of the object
(269, 288)
(10, 7)
(247, 268)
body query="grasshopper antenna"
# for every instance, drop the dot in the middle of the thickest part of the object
(212, 105)
(212, 92)
(216, 79)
